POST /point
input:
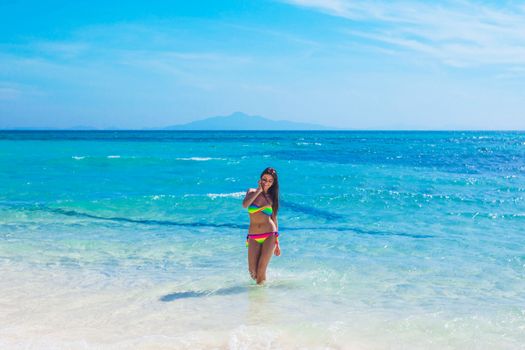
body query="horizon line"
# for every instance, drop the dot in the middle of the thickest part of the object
(24, 129)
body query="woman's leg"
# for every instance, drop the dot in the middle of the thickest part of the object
(254, 252)
(266, 254)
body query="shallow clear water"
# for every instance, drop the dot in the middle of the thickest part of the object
(136, 239)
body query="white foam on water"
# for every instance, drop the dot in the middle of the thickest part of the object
(200, 159)
(308, 143)
(78, 157)
(113, 156)
(253, 337)
(226, 195)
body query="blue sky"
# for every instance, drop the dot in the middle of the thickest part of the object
(341, 63)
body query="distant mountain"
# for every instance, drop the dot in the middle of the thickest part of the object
(241, 121)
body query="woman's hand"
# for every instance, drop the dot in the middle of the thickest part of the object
(277, 250)
(264, 186)
(260, 187)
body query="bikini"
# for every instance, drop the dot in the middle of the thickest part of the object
(261, 237)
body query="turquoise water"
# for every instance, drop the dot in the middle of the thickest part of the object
(389, 240)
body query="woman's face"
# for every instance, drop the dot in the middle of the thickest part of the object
(266, 181)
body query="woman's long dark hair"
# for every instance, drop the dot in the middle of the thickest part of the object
(274, 190)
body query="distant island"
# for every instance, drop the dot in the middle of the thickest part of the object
(242, 121)
(234, 121)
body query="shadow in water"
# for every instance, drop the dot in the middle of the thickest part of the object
(203, 293)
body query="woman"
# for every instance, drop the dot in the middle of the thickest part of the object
(262, 240)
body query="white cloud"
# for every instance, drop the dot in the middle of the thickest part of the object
(458, 33)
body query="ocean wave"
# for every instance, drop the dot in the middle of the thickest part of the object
(113, 156)
(488, 215)
(200, 159)
(308, 143)
(217, 195)
(231, 195)
(78, 157)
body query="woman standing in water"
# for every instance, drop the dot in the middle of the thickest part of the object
(263, 237)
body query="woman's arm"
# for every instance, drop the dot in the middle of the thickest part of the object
(251, 194)
(274, 218)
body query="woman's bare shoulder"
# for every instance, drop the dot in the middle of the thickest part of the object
(250, 190)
